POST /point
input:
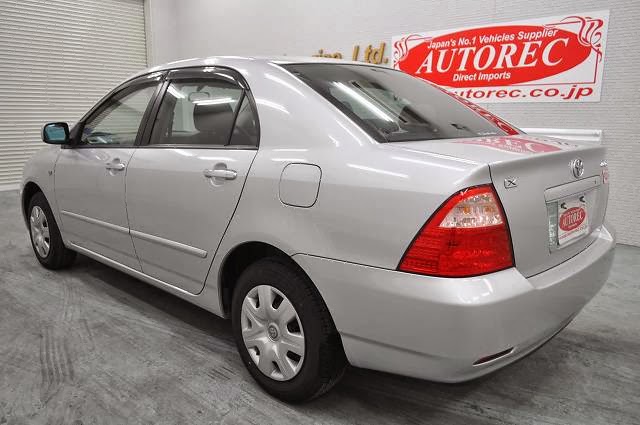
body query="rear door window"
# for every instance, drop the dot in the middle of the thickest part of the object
(197, 113)
(245, 131)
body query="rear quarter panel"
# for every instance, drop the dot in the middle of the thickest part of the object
(373, 198)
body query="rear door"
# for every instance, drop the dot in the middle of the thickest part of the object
(184, 182)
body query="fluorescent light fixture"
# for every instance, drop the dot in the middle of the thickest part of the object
(217, 101)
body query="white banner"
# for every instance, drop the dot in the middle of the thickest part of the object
(552, 59)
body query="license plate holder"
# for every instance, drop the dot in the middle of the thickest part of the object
(572, 215)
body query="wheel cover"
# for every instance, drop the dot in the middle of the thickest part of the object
(273, 335)
(40, 231)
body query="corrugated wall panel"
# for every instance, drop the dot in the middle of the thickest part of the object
(57, 58)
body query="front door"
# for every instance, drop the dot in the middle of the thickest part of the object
(90, 175)
(184, 185)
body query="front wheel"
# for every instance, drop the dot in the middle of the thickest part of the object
(45, 236)
(284, 332)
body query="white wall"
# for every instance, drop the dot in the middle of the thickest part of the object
(160, 23)
(190, 28)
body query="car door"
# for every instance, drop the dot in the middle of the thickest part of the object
(90, 173)
(184, 182)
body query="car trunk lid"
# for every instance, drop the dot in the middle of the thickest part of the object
(552, 213)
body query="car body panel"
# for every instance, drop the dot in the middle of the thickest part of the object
(91, 201)
(526, 206)
(40, 170)
(298, 127)
(436, 328)
(522, 158)
(371, 201)
(177, 215)
(299, 185)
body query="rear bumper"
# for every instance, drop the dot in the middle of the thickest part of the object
(436, 328)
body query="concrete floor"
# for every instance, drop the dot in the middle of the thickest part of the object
(92, 345)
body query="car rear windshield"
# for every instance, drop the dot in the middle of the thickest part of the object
(393, 106)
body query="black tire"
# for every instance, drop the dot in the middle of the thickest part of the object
(324, 362)
(58, 256)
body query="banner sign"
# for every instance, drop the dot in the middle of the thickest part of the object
(553, 59)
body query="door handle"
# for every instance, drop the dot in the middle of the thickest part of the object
(115, 166)
(220, 173)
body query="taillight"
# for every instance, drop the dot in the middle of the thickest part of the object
(467, 236)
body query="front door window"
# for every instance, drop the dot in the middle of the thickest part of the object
(117, 121)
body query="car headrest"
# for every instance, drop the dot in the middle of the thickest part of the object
(212, 117)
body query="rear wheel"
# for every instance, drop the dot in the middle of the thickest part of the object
(45, 236)
(284, 333)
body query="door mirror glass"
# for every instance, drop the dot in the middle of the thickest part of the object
(55, 133)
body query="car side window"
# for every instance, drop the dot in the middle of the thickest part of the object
(197, 113)
(245, 131)
(117, 121)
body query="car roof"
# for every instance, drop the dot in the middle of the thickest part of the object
(237, 61)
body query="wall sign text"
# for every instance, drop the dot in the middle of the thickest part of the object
(370, 54)
(552, 59)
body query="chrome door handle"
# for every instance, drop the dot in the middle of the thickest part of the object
(220, 173)
(115, 166)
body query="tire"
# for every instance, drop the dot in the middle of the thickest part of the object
(57, 256)
(324, 361)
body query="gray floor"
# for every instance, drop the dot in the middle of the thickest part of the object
(92, 345)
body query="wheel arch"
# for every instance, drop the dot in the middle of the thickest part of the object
(29, 190)
(241, 257)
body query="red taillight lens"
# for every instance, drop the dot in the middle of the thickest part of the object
(467, 236)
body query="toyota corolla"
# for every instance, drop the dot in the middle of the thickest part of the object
(338, 213)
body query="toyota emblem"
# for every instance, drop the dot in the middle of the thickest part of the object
(577, 167)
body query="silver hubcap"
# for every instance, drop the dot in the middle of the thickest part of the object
(40, 231)
(272, 333)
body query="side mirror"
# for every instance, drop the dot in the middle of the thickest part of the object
(55, 133)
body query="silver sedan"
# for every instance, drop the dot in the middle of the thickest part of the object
(338, 213)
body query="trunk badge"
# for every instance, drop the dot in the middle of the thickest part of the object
(510, 182)
(577, 167)
(605, 172)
